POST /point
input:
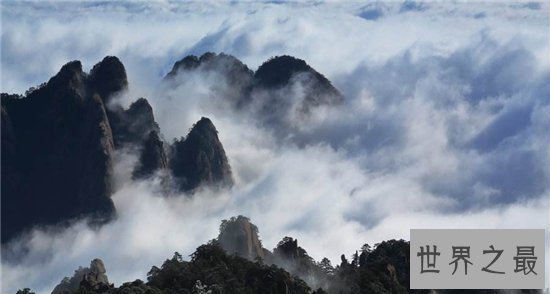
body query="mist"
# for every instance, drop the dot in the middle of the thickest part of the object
(444, 125)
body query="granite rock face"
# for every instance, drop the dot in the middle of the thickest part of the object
(96, 280)
(283, 87)
(152, 157)
(58, 146)
(234, 80)
(132, 126)
(91, 279)
(59, 141)
(239, 236)
(287, 71)
(200, 159)
(108, 77)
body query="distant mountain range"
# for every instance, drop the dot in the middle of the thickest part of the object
(58, 139)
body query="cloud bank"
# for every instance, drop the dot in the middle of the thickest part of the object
(445, 124)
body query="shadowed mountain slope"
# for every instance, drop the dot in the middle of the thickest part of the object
(57, 152)
(59, 141)
(283, 86)
(200, 159)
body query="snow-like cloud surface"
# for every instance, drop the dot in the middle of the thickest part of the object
(445, 123)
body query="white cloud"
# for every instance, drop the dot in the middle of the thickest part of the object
(445, 123)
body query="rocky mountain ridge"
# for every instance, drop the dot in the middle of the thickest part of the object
(58, 143)
(57, 147)
(282, 87)
(236, 262)
(59, 139)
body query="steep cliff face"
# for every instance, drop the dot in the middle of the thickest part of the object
(10, 172)
(382, 270)
(59, 139)
(233, 79)
(132, 125)
(60, 145)
(152, 157)
(228, 65)
(284, 92)
(91, 279)
(108, 78)
(200, 159)
(240, 237)
(289, 72)
(229, 264)
(136, 128)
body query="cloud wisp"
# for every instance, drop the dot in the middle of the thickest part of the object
(445, 122)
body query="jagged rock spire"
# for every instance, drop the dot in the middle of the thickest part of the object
(200, 158)
(108, 77)
(240, 237)
(61, 142)
(152, 157)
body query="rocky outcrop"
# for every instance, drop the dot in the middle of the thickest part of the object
(287, 249)
(152, 157)
(296, 260)
(96, 280)
(239, 236)
(10, 172)
(287, 71)
(71, 284)
(283, 91)
(86, 280)
(132, 126)
(226, 65)
(200, 159)
(234, 80)
(108, 78)
(230, 264)
(59, 140)
(383, 270)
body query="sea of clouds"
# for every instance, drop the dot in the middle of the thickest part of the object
(445, 124)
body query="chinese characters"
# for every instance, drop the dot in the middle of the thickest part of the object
(525, 259)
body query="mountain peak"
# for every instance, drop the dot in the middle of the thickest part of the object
(91, 278)
(152, 157)
(226, 64)
(62, 147)
(108, 77)
(141, 107)
(133, 125)
(74, 66)
(204, 125)
(70, 75)
(240, 237)
(208, 56)
(278, 70)
(200, 158)
(284, 71)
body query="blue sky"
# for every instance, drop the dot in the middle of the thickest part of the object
(445, 122)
